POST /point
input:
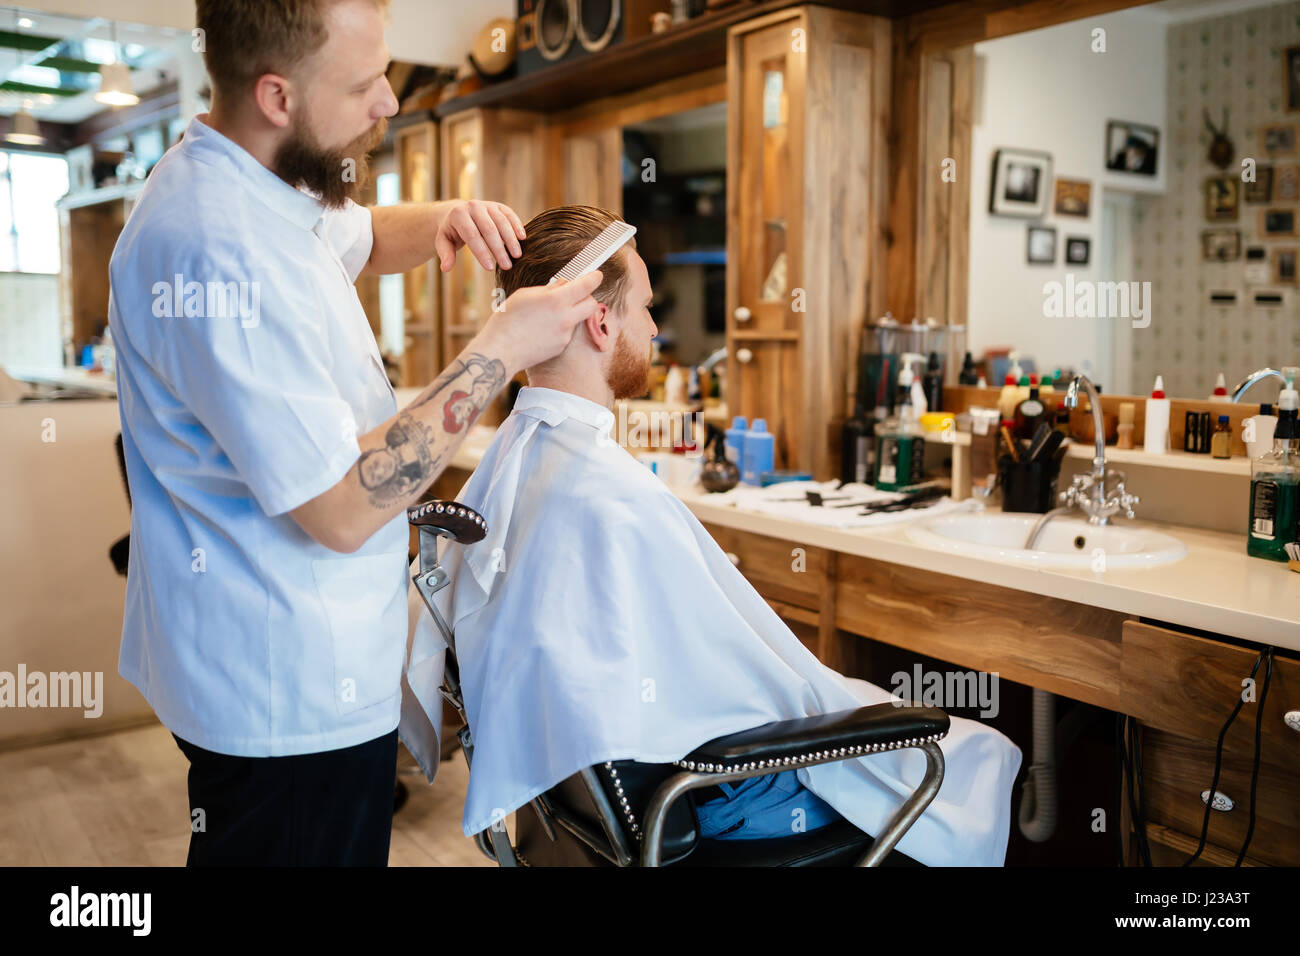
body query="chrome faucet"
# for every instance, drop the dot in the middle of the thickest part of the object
(1100, 493)
(1254, 377)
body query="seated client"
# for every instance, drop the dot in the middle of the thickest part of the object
(598, 620)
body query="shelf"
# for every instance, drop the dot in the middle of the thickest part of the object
(1186, 461)
(1116, 457)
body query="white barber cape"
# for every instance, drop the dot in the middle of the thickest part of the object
(598, 621)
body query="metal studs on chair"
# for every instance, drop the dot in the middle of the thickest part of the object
(800, 760)
(632, 825)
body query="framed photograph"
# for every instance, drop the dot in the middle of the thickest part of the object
(1041, 245)
(1131, 147)
(1221, 198)
(1261, 190)
(1256, 271)
(1291, 79)
(1284, 266)
(1220, 245)
(1277, 222)
(1077, 249)
(1278, 140)
(1073, 197)
(1286, 182)
(1020, 183)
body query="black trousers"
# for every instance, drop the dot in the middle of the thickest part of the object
(333, 808)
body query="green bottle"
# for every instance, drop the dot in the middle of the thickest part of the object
(1275, 483)
(900, 441)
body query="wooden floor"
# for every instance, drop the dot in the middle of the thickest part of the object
(120, 800)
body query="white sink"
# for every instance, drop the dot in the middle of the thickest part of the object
(1065, 542)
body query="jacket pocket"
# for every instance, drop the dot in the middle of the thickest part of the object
(364, 598)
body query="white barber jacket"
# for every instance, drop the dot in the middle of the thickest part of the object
(598, 621)
(246, 370)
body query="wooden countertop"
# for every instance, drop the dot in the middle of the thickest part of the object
(1217, 587)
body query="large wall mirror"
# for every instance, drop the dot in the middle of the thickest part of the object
(1135, 197)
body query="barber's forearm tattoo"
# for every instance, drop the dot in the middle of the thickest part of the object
(402, 466)
(408, 461)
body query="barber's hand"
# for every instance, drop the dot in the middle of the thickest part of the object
(536, 323)
(488, 229)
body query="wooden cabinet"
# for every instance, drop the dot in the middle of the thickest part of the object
(492, 154)
(805, 170)
(1181, 687)
(89, 224)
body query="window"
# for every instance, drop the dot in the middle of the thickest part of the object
(30, 185)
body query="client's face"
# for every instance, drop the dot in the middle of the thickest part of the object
(628, 373)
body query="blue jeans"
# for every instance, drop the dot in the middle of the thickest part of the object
(761, 808)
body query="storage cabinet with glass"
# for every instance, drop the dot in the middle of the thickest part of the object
(805, 157)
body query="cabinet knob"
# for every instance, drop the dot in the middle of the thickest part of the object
(1292, 718)
(733, 558)
(1221, 800)
(744, 356)
(742, 314)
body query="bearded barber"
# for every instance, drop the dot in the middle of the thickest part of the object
(269, 465)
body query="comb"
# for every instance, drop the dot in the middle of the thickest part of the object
(596, 252)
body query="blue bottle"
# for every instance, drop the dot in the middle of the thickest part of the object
(735, 442)
(759, 453)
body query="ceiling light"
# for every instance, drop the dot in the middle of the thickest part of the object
(115, 87)
(25, 23)
(25, 130)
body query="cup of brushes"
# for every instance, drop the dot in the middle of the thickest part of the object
(1027, 471)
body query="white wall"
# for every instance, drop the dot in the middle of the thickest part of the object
(1046, 90)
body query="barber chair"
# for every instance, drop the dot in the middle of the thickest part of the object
(626, 813)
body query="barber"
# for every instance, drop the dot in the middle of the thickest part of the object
(270, 468)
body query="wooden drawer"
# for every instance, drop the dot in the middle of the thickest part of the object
(775, 568)
(1177, 769)
(1188, 685)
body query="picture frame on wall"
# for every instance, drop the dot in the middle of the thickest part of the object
(1291, 79)
(1220, 245)
(1261, 190)
(1277, 222)
(1256, 270)
(1073, 197)
(1278, 139)
(1286, 182)
(1222, 195)
(1040, 247)
(1284, 265)
(1132, 147)
(1020, 183)
(1077, 250)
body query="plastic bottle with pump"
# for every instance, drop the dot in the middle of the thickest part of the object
(1275, 482)
(900, 441)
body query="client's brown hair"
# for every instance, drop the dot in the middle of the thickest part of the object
(555, 237)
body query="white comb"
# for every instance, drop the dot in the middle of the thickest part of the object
(596, 252)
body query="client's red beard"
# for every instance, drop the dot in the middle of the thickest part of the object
(301, 161)
(629, 372)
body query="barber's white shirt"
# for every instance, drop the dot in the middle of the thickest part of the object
(246, 370)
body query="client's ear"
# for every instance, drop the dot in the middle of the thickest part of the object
(598, 328)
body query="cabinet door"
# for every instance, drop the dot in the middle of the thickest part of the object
(467, 288)
(417, 166)
(765, 82)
